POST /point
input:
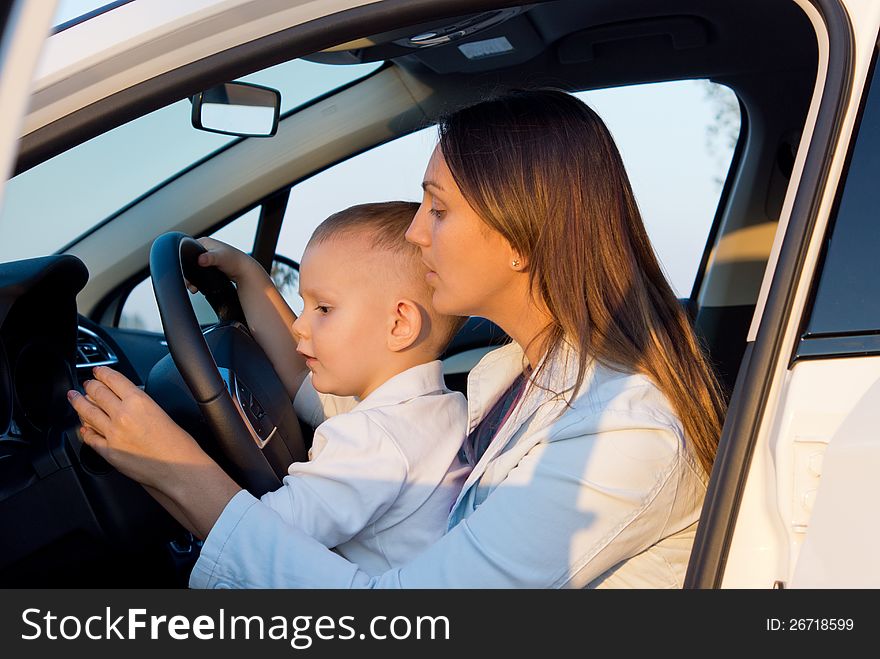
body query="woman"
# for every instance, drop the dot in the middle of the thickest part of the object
(591, 435)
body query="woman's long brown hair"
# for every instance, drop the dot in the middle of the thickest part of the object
(541, 168)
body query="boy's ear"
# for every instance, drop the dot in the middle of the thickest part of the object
(406, 325)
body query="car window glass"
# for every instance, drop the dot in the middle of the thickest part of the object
(68, 12)
(60, 200)
(139, 311)
(846, 308)
(676, 139)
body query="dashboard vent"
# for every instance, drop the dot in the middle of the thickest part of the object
(91, 350)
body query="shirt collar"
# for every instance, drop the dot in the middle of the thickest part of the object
(498, 369)
(490, 378)
(414, 382)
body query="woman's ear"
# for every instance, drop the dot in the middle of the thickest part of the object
(406, 325)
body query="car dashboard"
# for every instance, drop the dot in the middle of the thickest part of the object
(68, 518)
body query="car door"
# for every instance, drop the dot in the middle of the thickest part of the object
(794, 482)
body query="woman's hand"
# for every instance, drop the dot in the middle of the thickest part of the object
(129, 430)
(232, 262)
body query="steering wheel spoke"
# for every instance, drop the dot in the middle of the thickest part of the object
(254, 415)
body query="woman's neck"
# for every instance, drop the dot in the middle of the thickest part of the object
(524, 323)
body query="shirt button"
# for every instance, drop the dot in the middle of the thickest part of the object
(222, 585)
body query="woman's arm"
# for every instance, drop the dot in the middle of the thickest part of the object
(331, 497)
(129, 430)
(571, 508)
(569, 511)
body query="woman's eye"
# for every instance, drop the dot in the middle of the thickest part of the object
(322, 308)
(436, 212)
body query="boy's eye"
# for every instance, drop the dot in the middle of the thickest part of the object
(322, 308)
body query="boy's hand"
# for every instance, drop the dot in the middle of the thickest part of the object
(269, 318)
(129, 430)
(232, 262)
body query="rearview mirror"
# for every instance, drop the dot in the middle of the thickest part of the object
(237, 108)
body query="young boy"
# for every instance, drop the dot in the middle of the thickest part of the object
(361, 365)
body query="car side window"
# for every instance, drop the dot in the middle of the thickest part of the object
(845, 316)
(677, 165)
(139, 311)
(677, 141)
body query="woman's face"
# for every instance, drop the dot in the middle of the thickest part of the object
(469, 262)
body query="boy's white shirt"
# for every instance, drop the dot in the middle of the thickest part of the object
(315, 407)
(383, 472)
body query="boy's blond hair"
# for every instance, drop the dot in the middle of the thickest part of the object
(385, 224)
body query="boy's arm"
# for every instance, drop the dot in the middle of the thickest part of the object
(271, 322)
(269, 317)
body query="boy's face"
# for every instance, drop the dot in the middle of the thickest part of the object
(342, 330)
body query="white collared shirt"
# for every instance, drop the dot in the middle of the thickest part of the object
(382, 473)
(603, 493)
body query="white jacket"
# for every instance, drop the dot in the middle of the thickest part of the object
(606, 493)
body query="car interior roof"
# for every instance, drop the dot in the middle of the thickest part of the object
(612, 42)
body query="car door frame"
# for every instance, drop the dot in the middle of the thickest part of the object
(24, 25)
(768, 348)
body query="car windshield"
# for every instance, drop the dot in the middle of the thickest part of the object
(71, 12)
(51, 205)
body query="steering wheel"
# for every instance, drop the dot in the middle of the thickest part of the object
(254, 432)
